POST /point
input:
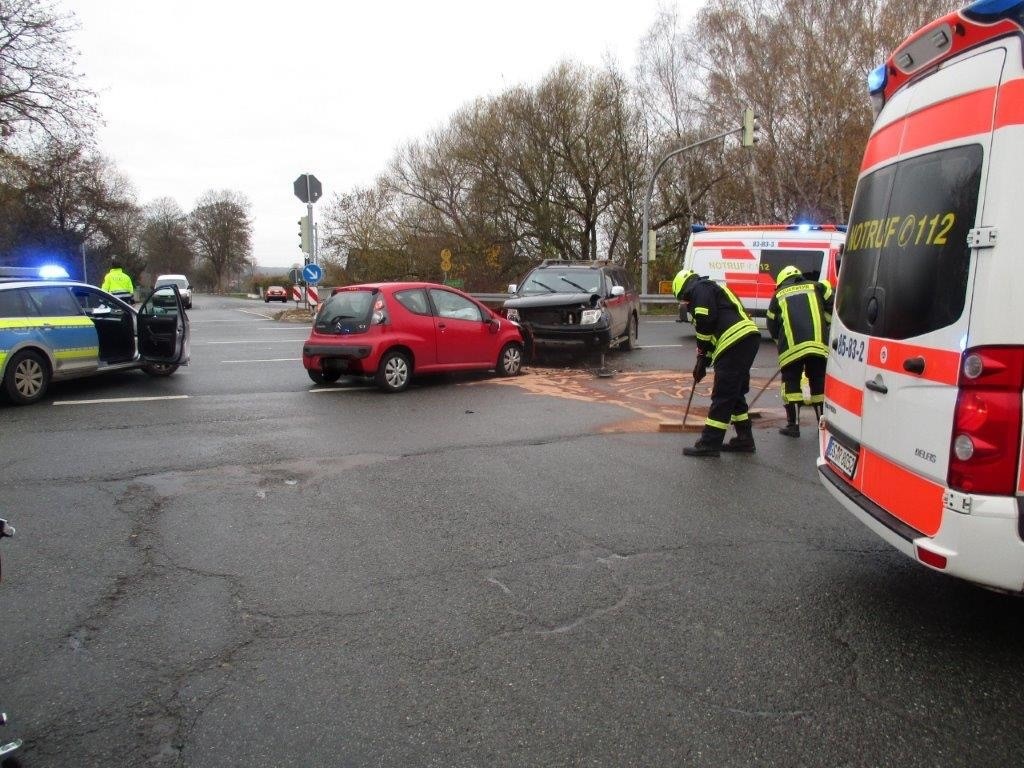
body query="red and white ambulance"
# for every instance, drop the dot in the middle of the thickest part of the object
(921, 435)
(748, 259)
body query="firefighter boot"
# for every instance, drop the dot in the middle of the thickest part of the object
(744, 440)
(709, 443)
(792, 428)
(819, 409)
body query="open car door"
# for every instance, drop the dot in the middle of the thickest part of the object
(163, 327)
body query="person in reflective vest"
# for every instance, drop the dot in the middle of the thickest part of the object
(116, 280)
(798, 318)
(728, 340)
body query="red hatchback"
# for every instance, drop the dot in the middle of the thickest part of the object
(393, 330)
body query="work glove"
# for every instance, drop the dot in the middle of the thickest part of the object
(700, 370)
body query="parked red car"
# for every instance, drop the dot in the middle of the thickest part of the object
(275, 293)
(391, 331)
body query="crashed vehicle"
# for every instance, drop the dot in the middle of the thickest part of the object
(591, 305)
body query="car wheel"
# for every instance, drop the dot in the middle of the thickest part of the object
(28, 376)
(510, 361)
(160, 369)
(266, 301)
(323, 377)
(631, 334)
(393, 372)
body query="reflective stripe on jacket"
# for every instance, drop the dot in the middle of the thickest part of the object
(798, 319)
(718, 317)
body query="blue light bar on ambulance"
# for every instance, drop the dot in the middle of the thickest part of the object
(990, 10)
(877, 78)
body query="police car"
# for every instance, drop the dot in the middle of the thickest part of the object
(52, 329)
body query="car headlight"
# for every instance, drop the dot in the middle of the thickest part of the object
(512, 314)
(591, 316)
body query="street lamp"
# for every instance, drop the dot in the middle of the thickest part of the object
(645, 235)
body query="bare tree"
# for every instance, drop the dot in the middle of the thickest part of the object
(223, 234)
(63, 196)
(166, 238)
(38, 82)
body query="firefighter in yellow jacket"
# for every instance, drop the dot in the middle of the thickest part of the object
(727, 339)
(798, 318)
(116, 280)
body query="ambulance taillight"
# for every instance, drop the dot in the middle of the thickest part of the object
(985, 450)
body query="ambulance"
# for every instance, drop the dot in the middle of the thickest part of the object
(748, 259)
(921, 433)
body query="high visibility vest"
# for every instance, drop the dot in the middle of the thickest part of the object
(117, 280)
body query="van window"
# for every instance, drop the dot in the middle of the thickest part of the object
(906, 260)
(809, 263)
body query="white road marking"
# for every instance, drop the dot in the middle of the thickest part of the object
(258, 314)
(120, 400)
(268, 360)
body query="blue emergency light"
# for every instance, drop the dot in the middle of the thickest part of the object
(877, 78)
(53, 272)
(993, 7)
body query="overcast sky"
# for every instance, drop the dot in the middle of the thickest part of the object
(232, 95)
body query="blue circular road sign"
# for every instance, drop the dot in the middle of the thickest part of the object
(312, 273)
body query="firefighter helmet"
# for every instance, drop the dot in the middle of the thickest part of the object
(785, 273)
(679, 282)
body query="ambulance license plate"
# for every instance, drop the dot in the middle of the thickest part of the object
(841, 457)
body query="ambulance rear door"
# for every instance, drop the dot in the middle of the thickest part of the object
(902, 310)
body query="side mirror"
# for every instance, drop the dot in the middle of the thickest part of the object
(99, 311)
(512, 287)
(618, 290)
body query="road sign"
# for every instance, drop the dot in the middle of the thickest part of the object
(295, 275)
(312, 295)
(296, 293)
(446, 260)
(312, 273)
(307, 188)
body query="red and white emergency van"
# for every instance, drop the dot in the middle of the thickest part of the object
(921, 435)
(747, 259)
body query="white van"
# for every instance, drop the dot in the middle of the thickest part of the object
(921, 435)
(184, 287)
(748, 259)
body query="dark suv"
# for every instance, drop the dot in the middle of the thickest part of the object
(588, 303)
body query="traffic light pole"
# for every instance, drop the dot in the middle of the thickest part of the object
(312, 234)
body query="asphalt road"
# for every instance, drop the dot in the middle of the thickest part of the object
(260, 571)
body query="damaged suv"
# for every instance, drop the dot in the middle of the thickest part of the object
(592, 304)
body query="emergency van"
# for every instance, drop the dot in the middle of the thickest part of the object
(921, 433)
(748, 259)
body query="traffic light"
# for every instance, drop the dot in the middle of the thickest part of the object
(751, 128)
(305, 236)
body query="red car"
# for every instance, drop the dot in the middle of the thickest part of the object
(275, 293)
(391, 331)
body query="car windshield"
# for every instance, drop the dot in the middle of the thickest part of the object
(178, 281)
(555, 281)
(346, 305)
